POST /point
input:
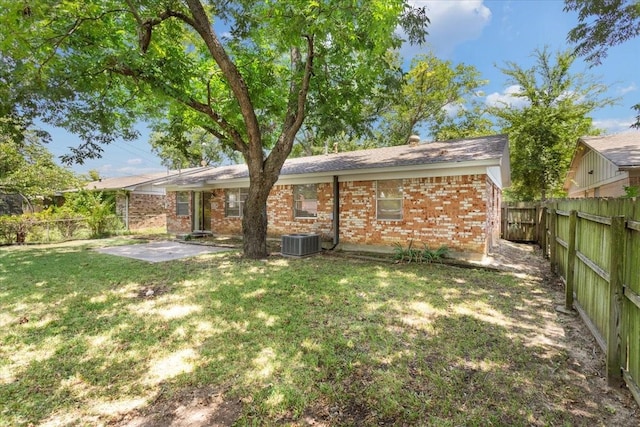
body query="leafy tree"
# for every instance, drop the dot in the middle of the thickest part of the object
(93, 175)
(428, 88)
(604, 24)
(543, 133)
(97, 209)
(243, 71)
(27, 168)
(188, 149)
(468, 121)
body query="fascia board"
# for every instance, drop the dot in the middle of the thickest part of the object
(611, 180)
(395, 172)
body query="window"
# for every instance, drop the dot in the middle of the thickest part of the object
(389, 199)
(305, 201)
(234, 199)
(182, 203)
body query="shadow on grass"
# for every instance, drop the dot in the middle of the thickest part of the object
(218, 339)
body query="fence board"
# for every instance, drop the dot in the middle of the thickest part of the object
(604, 275)
(520, 222)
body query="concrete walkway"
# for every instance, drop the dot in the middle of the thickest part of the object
(160, 251)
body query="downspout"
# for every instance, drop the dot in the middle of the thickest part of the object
(336, 213)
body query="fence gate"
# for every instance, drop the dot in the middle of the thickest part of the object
(520, 222)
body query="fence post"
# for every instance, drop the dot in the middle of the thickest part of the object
(503, 225)
(543, 232)
(571, 258)
(552, 240)
(614, 372)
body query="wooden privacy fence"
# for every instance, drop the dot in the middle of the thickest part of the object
(594, 246)
(520, 221)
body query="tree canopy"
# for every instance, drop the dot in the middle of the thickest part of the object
(429, 87)
(245, 72)
(543, 132)
(27, 168)
(604, 24)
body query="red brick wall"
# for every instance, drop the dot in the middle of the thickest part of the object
(461, 212)
(177, 224)
(219, 223)
(146, 211)
(437, 211)
(282, 221)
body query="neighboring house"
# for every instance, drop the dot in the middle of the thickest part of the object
(441, 193)
(11, 204)
(139, 204)
(602, 166)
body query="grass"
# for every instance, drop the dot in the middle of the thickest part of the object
(87, 338)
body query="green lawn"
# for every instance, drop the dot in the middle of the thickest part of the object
(89, 339)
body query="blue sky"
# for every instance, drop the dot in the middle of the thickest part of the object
(482, 33)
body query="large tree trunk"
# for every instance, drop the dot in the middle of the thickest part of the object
(254, 221)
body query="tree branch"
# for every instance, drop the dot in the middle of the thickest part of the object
(295, 111)
(202, 25)
(201, 107)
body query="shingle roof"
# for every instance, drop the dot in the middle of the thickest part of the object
(623, 149)
(473, 149)
(130, 182)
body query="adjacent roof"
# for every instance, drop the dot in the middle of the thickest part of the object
(623, 149)
(489, 150)
(130, 183)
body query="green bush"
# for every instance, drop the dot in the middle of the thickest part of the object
(15, 228)
(97, 209)
(411, 254)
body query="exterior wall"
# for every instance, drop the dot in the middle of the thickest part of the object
(178, 224)
(144, 210)
(610, 189)
(219, 223)
(281, 217)
(596, 176)
(461, 212)
(494, 212)
(437, 211)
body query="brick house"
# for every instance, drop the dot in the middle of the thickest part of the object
(602, 166)
(439, 193)
(139, 203)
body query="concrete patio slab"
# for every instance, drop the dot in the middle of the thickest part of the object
(160, 251)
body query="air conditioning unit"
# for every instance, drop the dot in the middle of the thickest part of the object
(300, 244)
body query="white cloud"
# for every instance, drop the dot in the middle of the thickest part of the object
(134, 161)
(452, 23)
(614, 125)
(631, 88)
(453, 109)
(507, 98)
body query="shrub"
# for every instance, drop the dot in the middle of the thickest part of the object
(411, 254)
(16, 227)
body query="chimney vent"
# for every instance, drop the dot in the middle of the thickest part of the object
(414, 140)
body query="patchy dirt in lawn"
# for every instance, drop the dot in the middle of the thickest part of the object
(199, 407)
(586, 360)
(584, 368)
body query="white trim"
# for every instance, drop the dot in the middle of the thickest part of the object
(149, 193)
(401, 199)
(495, 175)
(578, 190)
(371, 174)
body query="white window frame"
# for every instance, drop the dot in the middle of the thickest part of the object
(381, 199)
(183, 205)
(240, 196)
